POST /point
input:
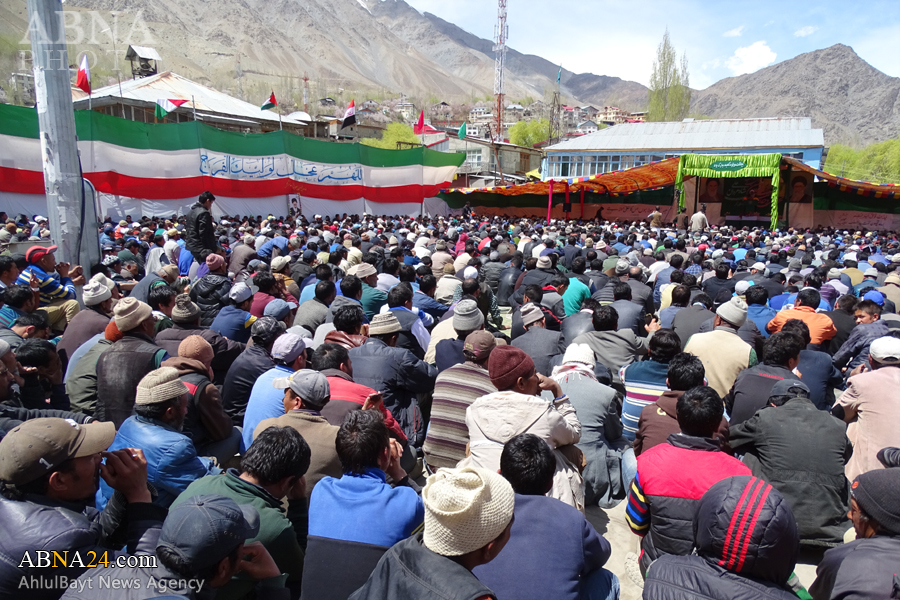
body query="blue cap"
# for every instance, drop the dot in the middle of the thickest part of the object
(278, 309)
(875, 296)
(205, 529)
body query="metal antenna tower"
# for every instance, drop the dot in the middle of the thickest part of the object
(501, 34)
(305, 92)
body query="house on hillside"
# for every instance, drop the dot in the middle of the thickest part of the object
(370, 105)
(407, 110)
(587, 127)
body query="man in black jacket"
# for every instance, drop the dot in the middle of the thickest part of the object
(751, 389)
(200, 228)
(246, 369)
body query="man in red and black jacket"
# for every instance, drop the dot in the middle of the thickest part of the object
(672, 477)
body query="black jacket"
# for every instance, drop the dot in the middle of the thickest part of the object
(758, 559)
(539, 277)
(860, 570)
(576, 324)
(750, 391)
(244, 372)
(490, 274)
(802, 452)
(410, 571)
(210, 293)
(506, 285)
(200, 232)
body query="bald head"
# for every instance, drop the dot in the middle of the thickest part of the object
(635, 273)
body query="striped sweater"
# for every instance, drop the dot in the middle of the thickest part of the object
(454, 391)
(644, 382)
(52, 287)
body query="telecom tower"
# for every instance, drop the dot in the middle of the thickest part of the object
(501, 34)
(305, 92)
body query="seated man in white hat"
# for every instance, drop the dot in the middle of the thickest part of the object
(89, 322)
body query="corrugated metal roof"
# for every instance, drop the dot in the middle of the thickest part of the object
(170, 85)
(145, 52)
(699, 135)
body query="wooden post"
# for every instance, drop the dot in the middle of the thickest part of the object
(549, 201)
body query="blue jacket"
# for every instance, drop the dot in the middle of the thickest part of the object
(365, 509)
(233, 323)
(172, 461)
(429, 305)
(551, 548)
(761, 315)
(265, 403)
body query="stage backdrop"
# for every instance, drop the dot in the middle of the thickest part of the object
(160, 169)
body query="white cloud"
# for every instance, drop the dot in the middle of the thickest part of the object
(805, 31)
(736, 32)
(751, 58)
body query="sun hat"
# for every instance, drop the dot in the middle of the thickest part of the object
(465, 509)
(240, 292)
(278, 309)
(288, 347)
(36, 253)
(478, 345)
(159, 385)
(310, 385)
(886, 350)
(280, 262)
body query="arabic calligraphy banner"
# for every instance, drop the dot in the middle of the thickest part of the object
(179, 160)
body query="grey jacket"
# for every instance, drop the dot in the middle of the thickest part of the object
(541, 345)
(615, 349)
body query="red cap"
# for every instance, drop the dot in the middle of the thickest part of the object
(36, 253)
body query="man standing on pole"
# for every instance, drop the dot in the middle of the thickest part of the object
(200, 230)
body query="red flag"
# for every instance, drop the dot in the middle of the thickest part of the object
(84, 76)
(419, 129)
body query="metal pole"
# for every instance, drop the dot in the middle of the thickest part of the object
(73, 220)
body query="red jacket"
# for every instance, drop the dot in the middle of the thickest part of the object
(347, 396)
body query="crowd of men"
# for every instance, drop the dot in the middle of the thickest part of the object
(411, 407)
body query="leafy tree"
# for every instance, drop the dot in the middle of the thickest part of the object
(529, 133)
(670, 94)
(878, 163)
(395, 132)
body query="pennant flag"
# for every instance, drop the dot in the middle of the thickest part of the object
(164, 106)
(462, 131)
(559, 74)
(349, 115)
(270, 103)
(84, 76)
(419, 129)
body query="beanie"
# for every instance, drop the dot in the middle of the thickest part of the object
(130, 313)
(466, 316)
(215, 262)
(195, 347)
(876, 493)
(734, 311)
(159, 385)
(95, 292)
(185, 311)
(465, 509)
(506, 364)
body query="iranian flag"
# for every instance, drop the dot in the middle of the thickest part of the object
(83, 80)
(166, 105)
(349, 115)
(270, 103)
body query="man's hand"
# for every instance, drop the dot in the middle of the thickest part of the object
(34, 283)
(545, 383)
(373, 401)
(63, 269)
(126, 470)
(394, 470)
(653, 326)
(257, 562)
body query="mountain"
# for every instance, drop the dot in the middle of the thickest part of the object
(386, 48)
(852, 101)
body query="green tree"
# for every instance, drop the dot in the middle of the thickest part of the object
(529, 133)
(395, 132)
(670, 92)
(878, 163)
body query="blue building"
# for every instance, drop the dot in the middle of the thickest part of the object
(633, 144)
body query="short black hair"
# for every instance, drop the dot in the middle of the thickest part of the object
(37, 319)
(399, 295)
(265, 281)
(35, 352)
(470, 286)
(757, 294)
(391, 266)
(664, 345)
(349, 318)
(407, 273)
(276, 453)
(528, 464)
(699, 411)
(579, 264)
(351, 286)
(6, 263)
(621, 291)
(869, 307)
(781, 347)
(160, 295)
(329, 356)
(427, 282)
(798, 328)
(847, 302)
(361, 439)
(156, 410)
(325, 290)
(534, 293)
(681, 295)
(676, 260)
(17, 295)
(686, 371)
(809, 297)
(722, 270)
(605, 318)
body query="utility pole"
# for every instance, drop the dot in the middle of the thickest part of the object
(305, 92)
(72, 215)
(501, 34)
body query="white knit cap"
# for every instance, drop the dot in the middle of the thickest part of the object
(95, 292)
(465, 509)
(130, 313)
(470, 273)
(580, 353)
(159, 385)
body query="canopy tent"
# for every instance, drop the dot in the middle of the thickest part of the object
(743, 165)
(861, 188)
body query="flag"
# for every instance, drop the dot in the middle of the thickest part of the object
(270, 103)
(419, 129)
(84, 76)
(462, 131)
(164, 106)
(349, 115)
(559, 75)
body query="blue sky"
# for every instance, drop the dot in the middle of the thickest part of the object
(721, 39)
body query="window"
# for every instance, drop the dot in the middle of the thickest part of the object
(656, 158)
(473, 158)
(564, 166)
(575, 170)
(603, 164)
(640, 160)
(627, 162)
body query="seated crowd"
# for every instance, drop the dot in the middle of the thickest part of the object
(393, 407)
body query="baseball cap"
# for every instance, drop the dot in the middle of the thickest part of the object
(758, 266)
(278, 308)
(479, 344)
(875, 296)
(36, 253)
(790, 387)
(288, 347)
(885, 350)
(204, 529)
(266, 329)
(310, 385)
(241, 292)
(40, 445)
